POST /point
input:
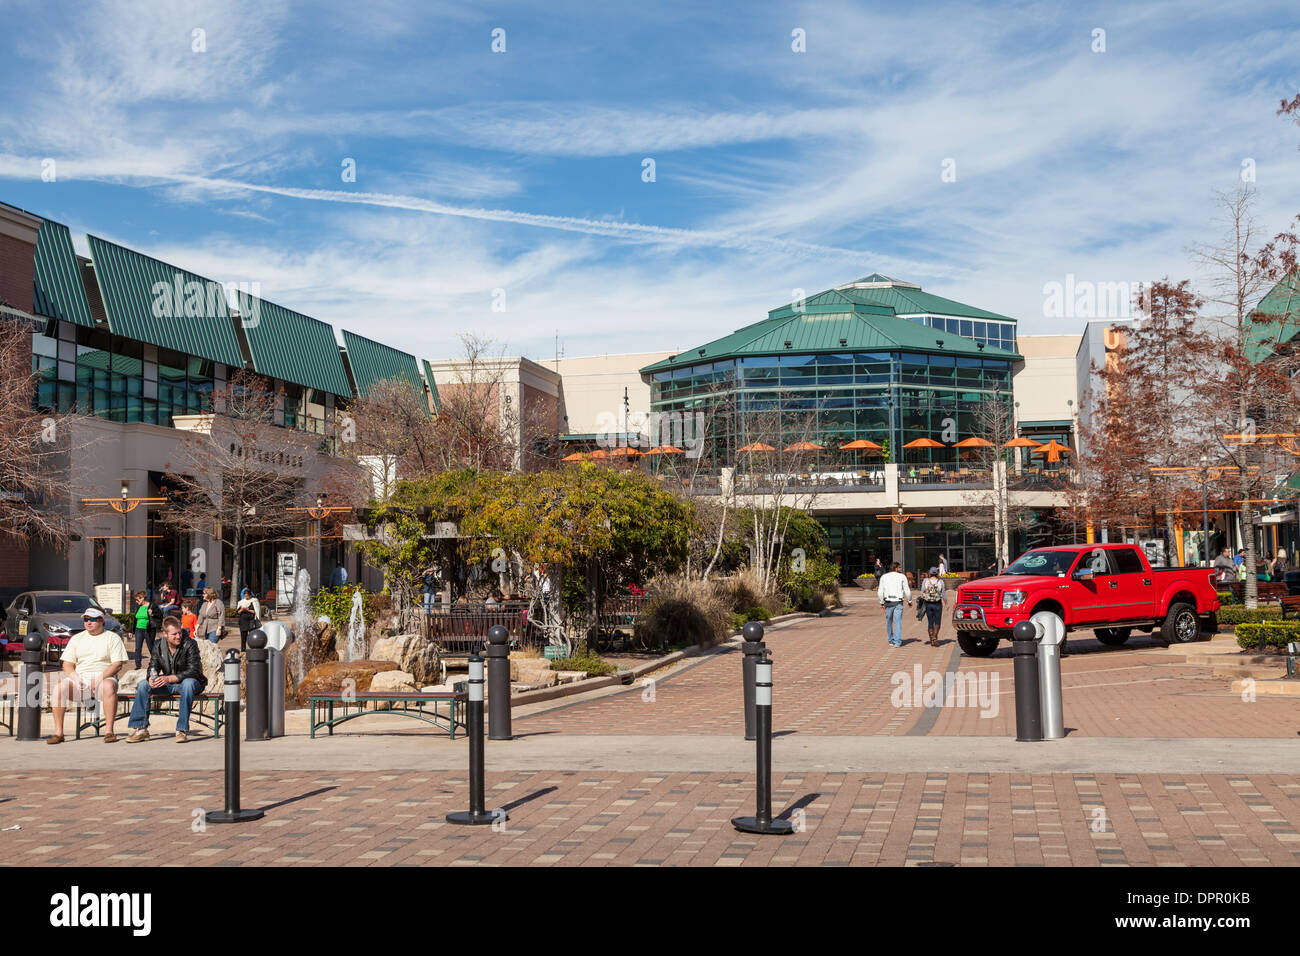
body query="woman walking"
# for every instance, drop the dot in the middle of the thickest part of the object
(932, 590)
(250, 617)
(143, 634)
(212, 616)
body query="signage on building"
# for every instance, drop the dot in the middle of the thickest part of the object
(1154, 548)
(109, 597)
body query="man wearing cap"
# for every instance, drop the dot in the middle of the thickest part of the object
(92, 660)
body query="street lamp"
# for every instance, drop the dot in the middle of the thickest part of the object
(320, 536)
(1205, 504)
(126, 493)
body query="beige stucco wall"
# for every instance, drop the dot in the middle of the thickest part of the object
(592, 394)
(1047, 380)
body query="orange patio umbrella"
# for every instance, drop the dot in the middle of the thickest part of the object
(756, 446)
(974, 443)
(576, 456)
(861, 444)
(665, 450)
(1022, 442)
(599, 453)
(624, 451)
(805, 446)
(1053, 449)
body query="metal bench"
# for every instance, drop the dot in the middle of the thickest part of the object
(8, 706)
(1264, 590)
(412, 705)
(157, 705)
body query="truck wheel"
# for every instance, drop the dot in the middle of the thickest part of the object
(1113, 636)
(976, 645)
(1181, 625)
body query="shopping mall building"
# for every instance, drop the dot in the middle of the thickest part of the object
(143, 346)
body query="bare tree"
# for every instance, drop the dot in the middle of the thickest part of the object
(34, 449)
(475, 427)
(389, 432)
(237, 473)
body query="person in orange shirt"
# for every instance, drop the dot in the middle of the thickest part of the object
(189, 620)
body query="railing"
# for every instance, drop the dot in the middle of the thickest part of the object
(464, 630)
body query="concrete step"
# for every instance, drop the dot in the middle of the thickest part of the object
(1257, 671)
(1283, 686)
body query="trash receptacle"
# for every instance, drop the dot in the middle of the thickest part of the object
(278, 638)
(1052, 631)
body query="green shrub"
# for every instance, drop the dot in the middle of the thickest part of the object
(738, 620)
(1238, 614)
(1225, 597)
(814, 588)
(682, 611)
(584, 660)
(127, 621)
(758, 614)
(1272, 633)
(336, 604)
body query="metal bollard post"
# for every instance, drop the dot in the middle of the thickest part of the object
(232, 813)
(30, 678)
(278, 638)
(1291, 650)
(498, 655)
(762, 821)
(476, 815)
(1029, 714)
(1051, 639)
(754, 649)
(259, 725)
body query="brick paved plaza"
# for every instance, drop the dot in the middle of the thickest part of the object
(1162, 765)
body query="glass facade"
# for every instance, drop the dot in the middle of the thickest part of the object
(889, 398)
(989, 331)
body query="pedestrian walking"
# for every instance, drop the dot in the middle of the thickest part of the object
(143, 635)
(893, 591)
(1224, 567)
(943, 565)
(250, 617)
(212, 617)
(932, 591)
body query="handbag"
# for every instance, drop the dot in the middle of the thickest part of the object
(920, 610)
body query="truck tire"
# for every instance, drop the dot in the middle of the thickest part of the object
(977, 645)
(1181, 625)
(1113, 636)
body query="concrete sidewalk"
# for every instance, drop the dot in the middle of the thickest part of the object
(791, 753)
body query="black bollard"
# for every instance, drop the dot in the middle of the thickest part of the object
(30, 677)
(1029, 714)
(754, 649)
(476, 815)
(762, 821)
(232, 813)
(498, 655)
(258, 687)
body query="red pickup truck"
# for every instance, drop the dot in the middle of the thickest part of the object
(1108, 588)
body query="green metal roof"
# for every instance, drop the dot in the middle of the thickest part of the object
(373, 362)
(847, 320)
(1055, 423)
(59, 293)
(291, 346)
(1276, 319)
(433, 386)
(140, 300)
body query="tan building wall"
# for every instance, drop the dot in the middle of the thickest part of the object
(592, 392)
(1047, 382)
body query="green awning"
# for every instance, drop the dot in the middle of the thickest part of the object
(59, 293)
(291, 346)
(373, 362)
(150, 300)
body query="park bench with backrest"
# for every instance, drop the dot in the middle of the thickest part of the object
(1290, 602)
(1266, 590)
(446, 713)
(460, 633)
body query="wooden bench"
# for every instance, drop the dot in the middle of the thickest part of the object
(412, 705)
(1265, 590)
(157, 705)
(1290, 602)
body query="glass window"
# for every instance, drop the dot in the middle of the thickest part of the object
(965, 328)
(1127, 561)
(979, 331)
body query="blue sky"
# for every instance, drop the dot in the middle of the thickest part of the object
(522, 171)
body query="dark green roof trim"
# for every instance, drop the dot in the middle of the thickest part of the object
(59, 293)
(597, 436)
(1058, 423)
(433, 386)
(1275, 321)
(291, 346)
(373, 362)
(149, 300)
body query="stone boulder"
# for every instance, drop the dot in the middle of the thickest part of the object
(332, 677)
(397, 682)
(127, 683)
(413, 653)
(211, 656)
(532, 670)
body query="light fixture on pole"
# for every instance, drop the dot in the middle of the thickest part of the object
(126, 494)
(1205, 505)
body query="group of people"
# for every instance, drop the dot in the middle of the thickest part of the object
(93, 660)
(1230, 567)
(893, 590)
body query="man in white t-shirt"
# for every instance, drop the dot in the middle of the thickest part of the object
(893, 590)
(92, 660)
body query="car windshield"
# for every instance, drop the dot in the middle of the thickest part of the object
(62, 603)
(1043, 563)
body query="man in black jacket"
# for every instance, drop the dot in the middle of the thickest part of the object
(176, 668)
